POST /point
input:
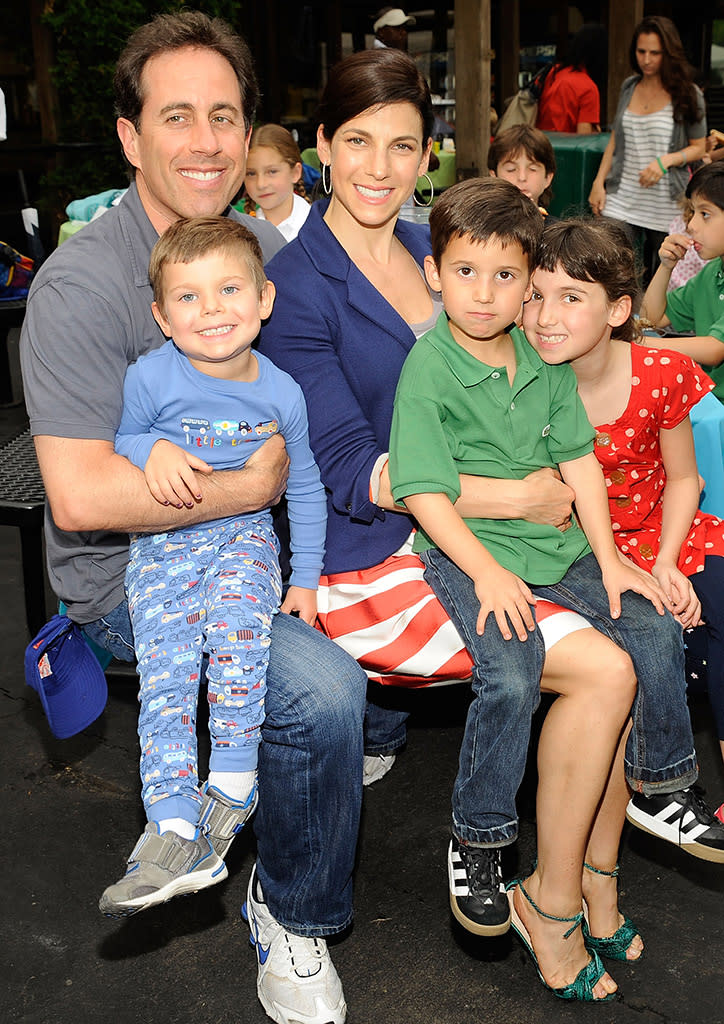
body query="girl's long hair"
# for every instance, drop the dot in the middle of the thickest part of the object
(677, 74)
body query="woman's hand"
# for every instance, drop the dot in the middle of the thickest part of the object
(652, 172)
(685, 605)
(597, 198)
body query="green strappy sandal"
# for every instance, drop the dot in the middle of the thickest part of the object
(581, 988)
(614, 946)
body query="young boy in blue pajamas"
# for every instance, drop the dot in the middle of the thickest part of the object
(206, 401)
(474, 398)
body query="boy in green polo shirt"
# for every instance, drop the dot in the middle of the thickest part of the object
(699, 304)
(475, 398)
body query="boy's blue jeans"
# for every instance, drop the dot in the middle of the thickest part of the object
(310, 771)
(660, 753)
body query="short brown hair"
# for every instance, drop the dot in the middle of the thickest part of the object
(522, 138)
(483, 208)
(168, 32)
(597, 251)
(192, 239)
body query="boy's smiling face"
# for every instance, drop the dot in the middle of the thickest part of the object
(706, 227)
(483, 286)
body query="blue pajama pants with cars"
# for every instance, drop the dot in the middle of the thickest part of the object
(210, 590)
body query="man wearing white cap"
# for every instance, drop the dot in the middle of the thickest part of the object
(390, 28)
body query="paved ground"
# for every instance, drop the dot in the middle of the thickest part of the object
(71, 813)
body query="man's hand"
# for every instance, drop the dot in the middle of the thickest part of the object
(270, 464)
(303, 601)
(170, 475)
(550, 501)
(509, 599)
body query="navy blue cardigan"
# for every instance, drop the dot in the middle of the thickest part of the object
(345, 345)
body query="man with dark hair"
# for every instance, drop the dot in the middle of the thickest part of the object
(89, 317)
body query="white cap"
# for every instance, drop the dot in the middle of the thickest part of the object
(394, 17)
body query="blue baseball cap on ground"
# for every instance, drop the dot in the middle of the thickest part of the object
(66, 674)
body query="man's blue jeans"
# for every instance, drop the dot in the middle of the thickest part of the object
(660, 751)
(310, 772)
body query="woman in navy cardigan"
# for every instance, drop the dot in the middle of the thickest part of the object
(351, 299)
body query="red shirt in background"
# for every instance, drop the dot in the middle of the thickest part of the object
(569, 97)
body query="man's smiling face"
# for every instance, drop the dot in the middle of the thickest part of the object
(190, 149)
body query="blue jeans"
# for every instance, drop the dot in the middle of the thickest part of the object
(310, 773)
(660, 755)
(660, 751)
(506, 692)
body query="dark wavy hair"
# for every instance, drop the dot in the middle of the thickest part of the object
(373, 78)
(597, 251)
(677, 74)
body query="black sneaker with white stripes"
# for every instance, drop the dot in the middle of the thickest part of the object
(682, 818)
(477, 894)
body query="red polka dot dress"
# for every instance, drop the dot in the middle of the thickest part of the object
(665, 386)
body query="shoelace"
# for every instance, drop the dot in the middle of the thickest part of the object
(695, 803)
(305, 953)
(481, 868)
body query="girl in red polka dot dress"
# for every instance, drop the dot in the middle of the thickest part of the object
(639, 399)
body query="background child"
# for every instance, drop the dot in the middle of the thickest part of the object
(274, 179)
(584, 289)
(697, 305)
(524, 156)
(210, 589)
(473, 398)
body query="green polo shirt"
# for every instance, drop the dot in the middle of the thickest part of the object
(454, 414)
(698, 306)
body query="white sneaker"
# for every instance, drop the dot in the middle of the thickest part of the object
(376, 766)
(296, 981)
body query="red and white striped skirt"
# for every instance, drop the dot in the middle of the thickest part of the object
(391, 622)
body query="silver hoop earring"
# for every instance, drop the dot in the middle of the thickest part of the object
(327, 183)
(432, 192)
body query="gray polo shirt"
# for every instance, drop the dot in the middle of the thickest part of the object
(88, 317)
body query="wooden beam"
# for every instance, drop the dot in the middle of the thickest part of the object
(507, 53)
(623, 17)
(472, 86)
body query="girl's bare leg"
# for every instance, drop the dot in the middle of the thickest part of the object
(596, 684)
(601, 891)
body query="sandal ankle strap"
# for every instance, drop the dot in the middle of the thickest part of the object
(574, 921)
(600, 871)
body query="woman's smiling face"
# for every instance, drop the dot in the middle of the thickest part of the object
(375, 160)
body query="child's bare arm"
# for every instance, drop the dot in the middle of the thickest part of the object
(170, 475)
(585, 476)
(704, 349)
(498, 590)
(673, 248)
(680, 502)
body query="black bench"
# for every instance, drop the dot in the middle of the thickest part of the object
(22, 504)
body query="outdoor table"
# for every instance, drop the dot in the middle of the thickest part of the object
(707, 420)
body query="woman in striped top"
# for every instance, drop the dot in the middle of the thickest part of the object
(659, 128)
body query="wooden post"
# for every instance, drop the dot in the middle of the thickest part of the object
(507, 53)
(623, 18)
(472, 86)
